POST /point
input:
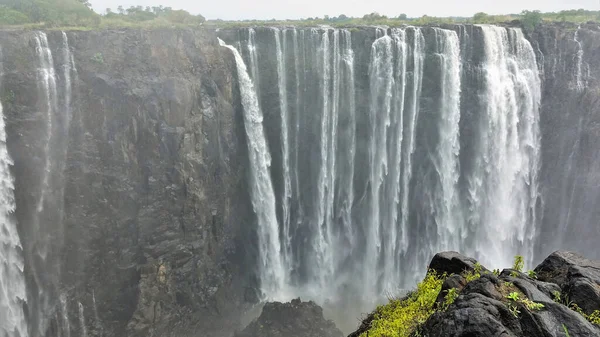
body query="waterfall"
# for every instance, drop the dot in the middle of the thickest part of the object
(579, 81)
(447, 208)
(54, 100)
(47, 77)
(503, 191)
(381, 82)
(82, 321)
(12, 280)
(390, 229)
(64, 309)
(271, 269)
(347, 148)
(370, 182)
(280, 51)
(418, 55)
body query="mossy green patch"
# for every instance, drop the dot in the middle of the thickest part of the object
(401, 317)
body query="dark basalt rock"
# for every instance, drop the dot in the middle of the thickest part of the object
(452, 263)
(452, 282)
(482, 309)
(578, 277)
(293, 319)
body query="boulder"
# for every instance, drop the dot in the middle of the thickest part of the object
(452, 263)
(293, 319)
(578, 278)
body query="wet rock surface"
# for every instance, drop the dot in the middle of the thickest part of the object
(293, 319)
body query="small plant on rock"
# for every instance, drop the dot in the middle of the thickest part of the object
(98, 58)
(519, 263)
(531, 305)
(556, 295)
(514, 310)
(513, 296)
(532, 274)
(451, 296)
(496, 272)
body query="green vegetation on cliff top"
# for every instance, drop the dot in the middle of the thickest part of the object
(403, 317)
(78, 14)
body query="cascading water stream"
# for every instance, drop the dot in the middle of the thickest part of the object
(580, 81)
(418, 56)
(381, 82)
(271, 269)
(55, 97)
(390, 228)
(448, 212)
(12, 280)
(285, 146)
(506, 185)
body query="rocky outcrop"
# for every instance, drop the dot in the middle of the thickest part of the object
(452, 263)
(484, 309)
(293, 319)
(578, 277)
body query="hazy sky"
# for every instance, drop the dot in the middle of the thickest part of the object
(294, 9)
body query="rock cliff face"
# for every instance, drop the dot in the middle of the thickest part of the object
(131, 164)
(570, 124)
(144, 210)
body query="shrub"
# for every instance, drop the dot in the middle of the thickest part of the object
(98, 58)
(530, 19)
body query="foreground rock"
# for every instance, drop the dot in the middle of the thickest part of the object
(482, 308)
(578, 277)
(294, 319)
(560, 299)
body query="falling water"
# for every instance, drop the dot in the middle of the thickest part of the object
(64, 310)
(12, 281)
(347, 147)
(47, 87)
(579, 80)
(271, 270)
(448, 213)
(371, 176)
(285, 145)
(504, 189)
(381, 80)
(418, 56)
(55, 97)
(390, 228)
(47, 81)
(82, 321)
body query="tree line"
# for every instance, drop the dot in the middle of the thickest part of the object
(55, 13)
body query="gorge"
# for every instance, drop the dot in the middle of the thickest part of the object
(165, 181)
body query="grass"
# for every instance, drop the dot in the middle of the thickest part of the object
(401, 317)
